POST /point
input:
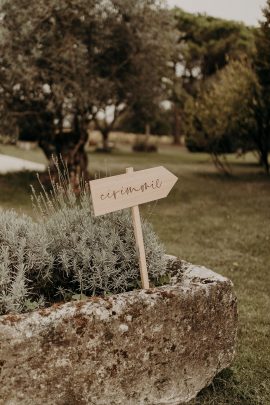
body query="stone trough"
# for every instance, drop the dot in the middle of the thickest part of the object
(160, 346)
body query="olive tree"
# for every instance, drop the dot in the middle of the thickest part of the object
(262, 68)
(137, 49)
(64, 63)
(47, 72)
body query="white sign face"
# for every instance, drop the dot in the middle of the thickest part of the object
(131, 189)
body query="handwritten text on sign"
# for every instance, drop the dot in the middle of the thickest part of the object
(128, 190)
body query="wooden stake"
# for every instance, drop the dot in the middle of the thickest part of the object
(139, 241)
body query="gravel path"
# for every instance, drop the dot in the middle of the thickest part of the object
(11, 164)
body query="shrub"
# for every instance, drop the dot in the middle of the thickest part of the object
(222, 118)
(93, 255)
(98, 255)
(69, 253)
(144, 147)
(25, 263)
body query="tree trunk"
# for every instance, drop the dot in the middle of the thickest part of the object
(264, 160)
(147, 134)
(176, 126)
(57, 144)
(261, 143)
(74, 157)
(69, 147)
(105, 139)
(261, 139)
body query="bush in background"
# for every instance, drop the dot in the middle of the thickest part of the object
(222, 119)
(144, 147)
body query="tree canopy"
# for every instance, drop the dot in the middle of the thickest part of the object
(204, 45)
(262, 69)
(72, 60)
(66, 63)
(222, 118)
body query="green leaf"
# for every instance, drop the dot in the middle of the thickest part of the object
(31, 305)
(79, 297)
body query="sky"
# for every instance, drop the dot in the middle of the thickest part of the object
(247, 11)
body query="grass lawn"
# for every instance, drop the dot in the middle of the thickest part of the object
(212, 220)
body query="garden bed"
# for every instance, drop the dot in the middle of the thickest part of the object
(160, 346)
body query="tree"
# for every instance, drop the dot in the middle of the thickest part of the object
(72, 61)
(262, 68)
(224, 116)
(135, 61)
(204, 46)
(46, 72)
(207, 44)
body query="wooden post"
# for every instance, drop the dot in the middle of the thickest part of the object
(139, 241)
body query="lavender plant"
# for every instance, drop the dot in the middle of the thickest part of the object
(92, 255)
(98, 255)
(25, 263)
(68, 253)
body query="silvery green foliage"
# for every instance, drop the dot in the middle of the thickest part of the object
(69, 253)
(92, 255)
(25, 263)
(98, 255)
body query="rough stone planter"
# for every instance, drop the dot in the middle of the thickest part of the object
(156, 347)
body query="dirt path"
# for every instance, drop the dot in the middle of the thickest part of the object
(11, 164)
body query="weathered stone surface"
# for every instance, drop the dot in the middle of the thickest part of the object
(137, 348)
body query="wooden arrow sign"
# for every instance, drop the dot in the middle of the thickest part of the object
(129, 190)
